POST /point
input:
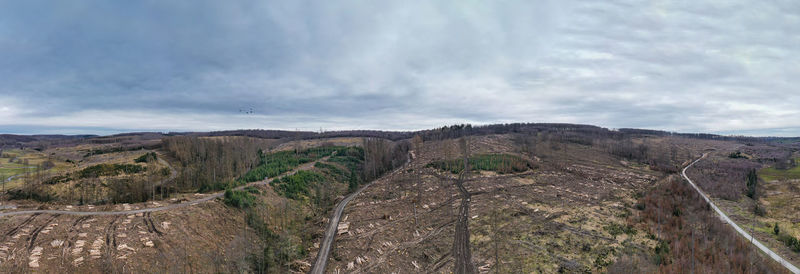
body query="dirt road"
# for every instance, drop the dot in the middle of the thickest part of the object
(330, 233)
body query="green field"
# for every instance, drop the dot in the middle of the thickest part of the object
(10, 169)
(771, 174)
(8, 172)
(33, 158)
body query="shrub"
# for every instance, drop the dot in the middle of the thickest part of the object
(165, 171)
(350, 176)
(296, 186)
(790, 241)
(274, 164)
(736, 155)
(661, 252)
(501, 163)
(57, 179)
(752, 182)
(147, 157)
(759, 210)
(332, 170)
(239, 199)
(109, 170)
(253, 190)
(616, 229)
(41, 196)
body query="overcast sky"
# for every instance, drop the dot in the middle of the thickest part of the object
(730, 67)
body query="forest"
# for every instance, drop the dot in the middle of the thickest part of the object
(209, 163)
(501, 163)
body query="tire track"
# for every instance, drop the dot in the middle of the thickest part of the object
(111, 237)
(151, 227)
(36, 231)
(146, 223)
(441, 262)
(70, 239)
(18, 227)
(461, 245)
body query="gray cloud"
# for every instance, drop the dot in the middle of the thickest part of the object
(93, 66)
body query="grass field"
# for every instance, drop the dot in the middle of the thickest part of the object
(8, 168)
(6, 172)
(782, 203)
(771, 174)
(12, 164)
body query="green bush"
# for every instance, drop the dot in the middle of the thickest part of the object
(790, 241)
(147, 157)
(58, 179)
(661, 252)
(752, 183)
(350, 157)
(41, 196)
(109, 170)
(274, 164)
(332, 170)
(616, 229)
(736, 155)
(351, 176)
(297, 185)
(759, 210)
(253, 190)
(501, 163)
(239, 199)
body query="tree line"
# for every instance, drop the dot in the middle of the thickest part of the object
(207, 162)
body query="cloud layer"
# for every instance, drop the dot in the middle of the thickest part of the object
(98, 67)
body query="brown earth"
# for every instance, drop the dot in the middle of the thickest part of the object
(539, 221)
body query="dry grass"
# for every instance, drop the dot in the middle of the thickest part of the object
(553, 218)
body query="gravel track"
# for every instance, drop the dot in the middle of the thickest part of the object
(741, 231)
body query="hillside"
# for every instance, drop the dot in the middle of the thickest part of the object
(503, 198)
(576, 209)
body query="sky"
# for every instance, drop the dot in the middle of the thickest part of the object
(103, 67)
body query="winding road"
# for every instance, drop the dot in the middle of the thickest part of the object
(741, 231)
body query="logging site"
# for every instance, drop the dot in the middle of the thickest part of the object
(451, 136)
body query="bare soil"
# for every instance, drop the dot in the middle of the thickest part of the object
(541, 221)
